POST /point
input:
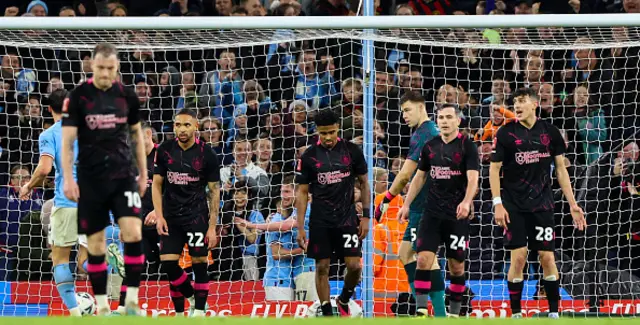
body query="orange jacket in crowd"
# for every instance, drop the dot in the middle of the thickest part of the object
(389, 277)
(490, 130)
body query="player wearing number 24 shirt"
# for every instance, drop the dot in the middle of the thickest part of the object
(184, 168)
(449, 166)
(523, 200)
(328, 170)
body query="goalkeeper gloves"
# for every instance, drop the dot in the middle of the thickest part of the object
(384, 205)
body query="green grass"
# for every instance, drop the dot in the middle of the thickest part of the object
(293, 321)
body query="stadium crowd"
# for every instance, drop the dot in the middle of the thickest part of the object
(256, 106)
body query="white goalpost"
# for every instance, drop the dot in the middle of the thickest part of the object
(262, 81)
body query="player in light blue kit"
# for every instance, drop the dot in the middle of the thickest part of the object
(415, 115)
(64, 221)
(304, 268)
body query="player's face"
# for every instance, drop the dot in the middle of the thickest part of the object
(185, 126)
(105, 70)
(448, 121)
(328, 135)
(412, 112)
(287, 194)
(524, 107)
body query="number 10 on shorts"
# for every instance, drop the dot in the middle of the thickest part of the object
(133, 199)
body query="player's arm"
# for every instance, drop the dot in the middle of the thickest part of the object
(214, 203)
(416, 186)
(302, 199)
(401, 180)
(473, 174)
(286, 225)
(156, 195)
(45, 164)
(141, 157)
(281, 253)
(213, 183)
(564, 180)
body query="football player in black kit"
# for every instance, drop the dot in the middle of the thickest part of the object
(449, 166)
(102, 114)
(525, 150)
(328, 170)
(184, 169)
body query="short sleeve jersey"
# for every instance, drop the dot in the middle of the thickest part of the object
(279, 272)
(50, 144)
(186, 174)
(446, 165)
(103, 120)
(331, 175)
(526, 156)
(423, 134)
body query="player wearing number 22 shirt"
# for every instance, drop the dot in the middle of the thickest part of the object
(525, 151)
(449, 167)
(184, 167)
(328, 170)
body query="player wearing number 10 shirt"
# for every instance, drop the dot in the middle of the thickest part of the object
(184, 168)
(103, 115)
(449, 166)
(328, 170)
(525, 151)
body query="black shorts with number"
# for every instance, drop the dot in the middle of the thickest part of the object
(192, 233)
(433, 232)
(534, 230)
(98, 197)
(326, 241)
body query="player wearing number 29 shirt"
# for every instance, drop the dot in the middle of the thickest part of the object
(328, 170)
(525, 151)
(449, 166)
(184, 168)
(103, 115)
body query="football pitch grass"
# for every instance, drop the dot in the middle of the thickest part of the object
(306, 321)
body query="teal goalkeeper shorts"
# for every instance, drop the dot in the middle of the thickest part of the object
(411, 233)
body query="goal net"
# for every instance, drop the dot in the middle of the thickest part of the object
(256, 92)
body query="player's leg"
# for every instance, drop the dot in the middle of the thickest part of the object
(350, 247)
(427, 244)
(196, 234)
(125, 205)
(170, 249)
(542, 238)
(515, 240)
(456, 234)
(93, 218)
(64, 235)
(407, 252)
(320, 248)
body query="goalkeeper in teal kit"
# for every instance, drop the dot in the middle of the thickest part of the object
(415, 115)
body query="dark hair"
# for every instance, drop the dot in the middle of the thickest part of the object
(105, 49)
(412, 96)
(288, 180)
(447, 105)
(188, 111)
(326, 117)
(239, 10)
(526, 92)
(56, 100)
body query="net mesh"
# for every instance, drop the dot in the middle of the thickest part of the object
(264, 86)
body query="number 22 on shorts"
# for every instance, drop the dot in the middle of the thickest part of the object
(351, 241)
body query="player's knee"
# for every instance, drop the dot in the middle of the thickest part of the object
(424, 261)
(322, 269)
(518, 259)
(60, 255)
(354, 266)
(97, 244)
(406, 253)
(547, 259)
(131, 236)
(456, 268)
(199, 259)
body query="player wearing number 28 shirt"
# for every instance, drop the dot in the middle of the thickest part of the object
(103, 115)
(328, 170)
(525, 150)
(449, 167)
(184, 168)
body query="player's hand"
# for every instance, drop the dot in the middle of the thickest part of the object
(212, 237)
(142, 184)
(502, 216)
(578, 217)
(150, 219)
(363, 230)
(71, 190)
(161, 227)
(25, 192)
(381, 209)
(302, 239)
(403, 214)
(463, 210)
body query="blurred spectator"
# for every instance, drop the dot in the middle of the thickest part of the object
(24, 79)
(211, 133)
(590, 126)
(253, 8)
(499, 116)
(118, 11)
(222, 89)
(223, 7)
(67, 12)
(12, 212)
(38, 8)
(11, 11)
(185, 7)
(331, 8)
(243, 169)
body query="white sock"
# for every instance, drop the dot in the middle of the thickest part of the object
(517, 280)
(551, 278)
(198, 313)
(75, 312)
(102, 302)
(132, 295)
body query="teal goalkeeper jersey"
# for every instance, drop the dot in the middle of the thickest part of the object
(422, 134)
